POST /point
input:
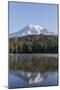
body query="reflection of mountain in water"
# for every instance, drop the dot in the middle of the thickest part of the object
(21, 79)
(29, 70)
(31, 77)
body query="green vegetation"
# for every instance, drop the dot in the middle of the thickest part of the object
(34, 64)
(34, 44)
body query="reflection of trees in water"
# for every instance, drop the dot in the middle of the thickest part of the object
(33, 63)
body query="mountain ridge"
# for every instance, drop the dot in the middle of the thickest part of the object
(31, 30)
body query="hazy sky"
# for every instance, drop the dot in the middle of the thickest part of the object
(22, 14)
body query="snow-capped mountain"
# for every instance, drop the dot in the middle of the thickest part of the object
(31, 30)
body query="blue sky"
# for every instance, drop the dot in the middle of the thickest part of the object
(21, 14)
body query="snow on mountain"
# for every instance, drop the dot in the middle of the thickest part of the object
(31, 30)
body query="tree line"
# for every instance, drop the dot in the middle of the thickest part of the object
(34, 44)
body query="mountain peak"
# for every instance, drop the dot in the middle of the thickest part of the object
(34, 26)
(31, 30)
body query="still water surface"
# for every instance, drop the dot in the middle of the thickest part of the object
(24, 78)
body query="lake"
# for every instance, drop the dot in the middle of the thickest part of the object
(32, 70)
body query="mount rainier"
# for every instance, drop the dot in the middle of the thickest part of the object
(31, 30)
